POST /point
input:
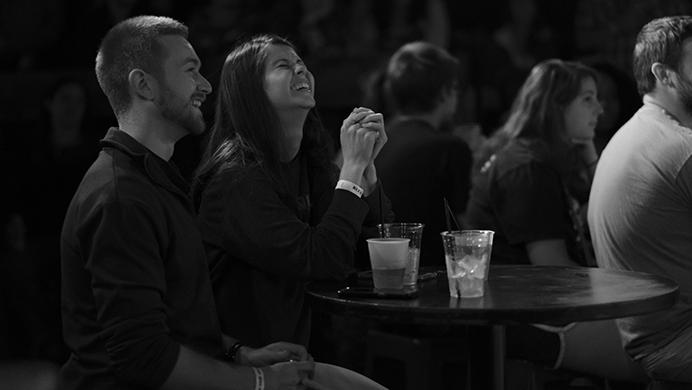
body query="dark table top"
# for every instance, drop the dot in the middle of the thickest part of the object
(515, 294)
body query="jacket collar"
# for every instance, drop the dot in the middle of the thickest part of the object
(161, 172)
(123, 141)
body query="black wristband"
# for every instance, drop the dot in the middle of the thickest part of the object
(232, 352)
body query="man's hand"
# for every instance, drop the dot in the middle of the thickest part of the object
(272, 353)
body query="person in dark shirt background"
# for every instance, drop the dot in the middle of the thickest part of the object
(423, 163)
(536, 170)
(529, 189)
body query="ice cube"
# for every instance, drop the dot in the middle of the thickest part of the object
(474, 265)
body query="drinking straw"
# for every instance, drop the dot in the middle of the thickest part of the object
(447, 219)
(449, 215)
(379, 197)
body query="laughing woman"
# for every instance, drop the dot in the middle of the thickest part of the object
(274, 211)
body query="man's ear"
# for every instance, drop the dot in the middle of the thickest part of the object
(142, 84)
(661, 73)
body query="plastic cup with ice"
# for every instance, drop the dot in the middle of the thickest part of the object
(467, 256)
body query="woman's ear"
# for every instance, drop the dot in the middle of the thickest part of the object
(142, 84)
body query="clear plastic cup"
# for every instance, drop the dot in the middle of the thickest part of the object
(388, 258)
(414, 232)
(467, 257)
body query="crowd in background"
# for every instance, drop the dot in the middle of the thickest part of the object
(53, 113)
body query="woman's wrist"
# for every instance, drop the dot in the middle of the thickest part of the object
(351, 187)
(352, 172)
(369, 180)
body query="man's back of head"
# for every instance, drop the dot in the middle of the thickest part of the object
(418, 75)
(659, 41)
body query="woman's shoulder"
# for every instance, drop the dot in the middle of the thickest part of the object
(521, 153)
(229, 177)
(238, 174)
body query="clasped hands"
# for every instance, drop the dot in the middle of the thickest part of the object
(362, 137)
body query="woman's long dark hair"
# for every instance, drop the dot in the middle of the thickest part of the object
(538, 109)
(246, 127)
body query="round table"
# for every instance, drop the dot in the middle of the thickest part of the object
(516, 294)
(513, 294)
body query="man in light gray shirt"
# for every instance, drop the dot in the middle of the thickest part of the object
(640, 207)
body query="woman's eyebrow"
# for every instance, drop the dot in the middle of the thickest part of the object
(192, 60)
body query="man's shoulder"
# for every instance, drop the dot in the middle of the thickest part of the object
(652, 121)
(650, 137)
(115, 177)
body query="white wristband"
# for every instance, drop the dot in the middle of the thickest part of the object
(259, 378)
(351, 187)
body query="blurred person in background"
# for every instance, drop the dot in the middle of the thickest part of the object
(536, 170)
(64, 149)
(532, 188)
(522, 40)
(423, 163)
(60, 151)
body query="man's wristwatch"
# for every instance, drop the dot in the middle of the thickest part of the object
(231, 353)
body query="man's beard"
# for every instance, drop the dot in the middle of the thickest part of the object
(684, 88)
(179, 112)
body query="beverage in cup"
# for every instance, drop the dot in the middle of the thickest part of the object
(414, 232)
(388, 258)
(467, 257)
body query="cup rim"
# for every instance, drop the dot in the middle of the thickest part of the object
(388, 239)
(407, 224)
(456, 232)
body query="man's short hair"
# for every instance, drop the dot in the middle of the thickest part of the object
(416, 76)
(132, 44)
(660, 40)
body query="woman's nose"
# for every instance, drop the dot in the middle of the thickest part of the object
(300, 68)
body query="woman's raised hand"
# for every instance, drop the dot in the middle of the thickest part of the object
(362, 137)
(375, 122)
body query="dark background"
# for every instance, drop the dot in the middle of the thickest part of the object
(44, 42)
